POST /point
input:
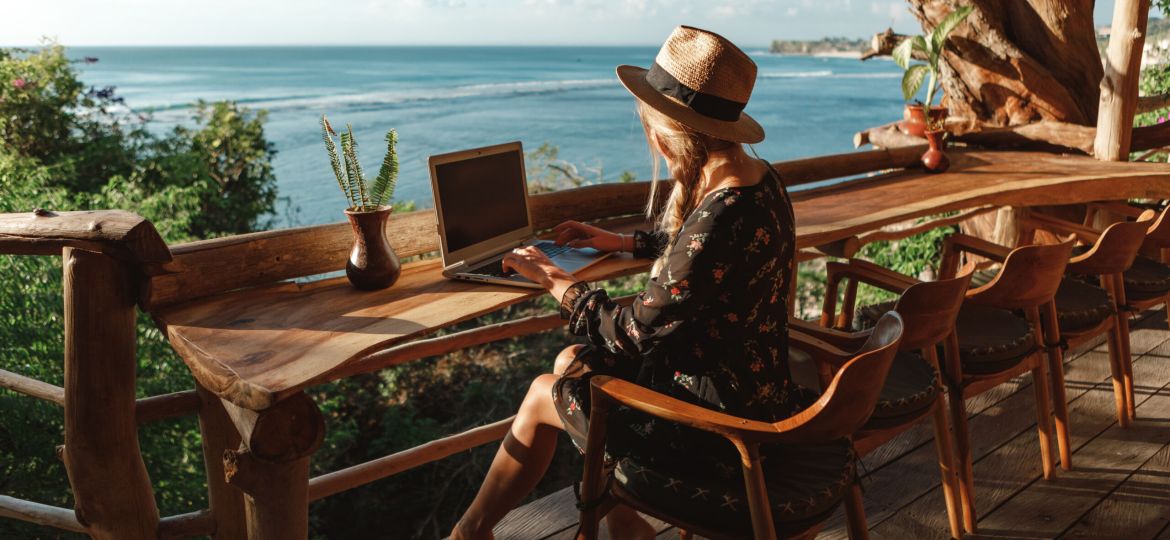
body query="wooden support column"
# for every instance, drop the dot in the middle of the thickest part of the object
(219, 436)
(271, 466)
(1119, 87)
(112, 491)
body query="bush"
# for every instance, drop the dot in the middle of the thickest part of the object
(66, 148)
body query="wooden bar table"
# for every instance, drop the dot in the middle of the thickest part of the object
(257, 349)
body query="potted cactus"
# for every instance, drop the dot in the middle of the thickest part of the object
(922, 119)
(372, 262)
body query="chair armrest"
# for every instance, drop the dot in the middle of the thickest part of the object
(960, 242)
(812, 338)
(640, 398)
(1117, 207)
(859, 271)
(119, 234)
(1059, 226)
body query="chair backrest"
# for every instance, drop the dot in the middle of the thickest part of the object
(1029, 277)
(929, 309)
(1114, 251)
(850, 398)
(1158, 234)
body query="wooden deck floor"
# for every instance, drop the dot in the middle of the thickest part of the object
(1119, 487)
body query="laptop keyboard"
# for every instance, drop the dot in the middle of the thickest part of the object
(496, 268)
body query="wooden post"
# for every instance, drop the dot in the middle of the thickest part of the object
(112, 491)
(1119, 86)
(219, 436)
(271, 466)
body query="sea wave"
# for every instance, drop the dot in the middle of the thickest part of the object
(825, 73)
(408, 95)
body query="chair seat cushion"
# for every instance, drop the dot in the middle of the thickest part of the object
(1147, 279)
(990, 339)
(805, 483)
(1081, 305)
(910, 389)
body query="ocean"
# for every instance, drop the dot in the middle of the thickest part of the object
(442, 99)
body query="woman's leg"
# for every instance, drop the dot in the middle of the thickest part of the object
(522, 459)
(519, 464)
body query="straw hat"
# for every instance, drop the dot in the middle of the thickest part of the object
(702, 80)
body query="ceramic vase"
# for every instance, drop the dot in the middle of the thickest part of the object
(372, 263)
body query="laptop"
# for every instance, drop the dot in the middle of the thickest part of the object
(481, 199)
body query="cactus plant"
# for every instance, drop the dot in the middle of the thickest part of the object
(361, 196)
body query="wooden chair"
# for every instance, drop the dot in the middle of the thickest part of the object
(913, 388)
(845, 405)
(1085, 311)
(992, 345)
(1147, 282)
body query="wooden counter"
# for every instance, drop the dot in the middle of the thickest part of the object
(256, 346)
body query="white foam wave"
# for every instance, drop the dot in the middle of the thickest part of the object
(794, 74)
(399, 96)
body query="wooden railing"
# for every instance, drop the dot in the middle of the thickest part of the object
(115, 262)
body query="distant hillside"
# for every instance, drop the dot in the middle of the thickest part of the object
(832, 45)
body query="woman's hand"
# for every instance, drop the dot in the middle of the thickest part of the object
(577, 234)
(533, 264)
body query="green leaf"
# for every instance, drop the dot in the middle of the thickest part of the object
(383, 189)
(903, 52)
(912, 80)
(938, 36)
(334, 160)
(353, 169)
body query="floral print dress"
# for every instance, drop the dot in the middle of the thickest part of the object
(710, 328)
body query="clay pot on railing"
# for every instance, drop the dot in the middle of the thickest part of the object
(914, 120)
(372, 262)
(935, 160)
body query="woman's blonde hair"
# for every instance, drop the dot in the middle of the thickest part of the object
(688, 151)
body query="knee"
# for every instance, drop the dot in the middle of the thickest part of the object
(565, 358)
(541, 388)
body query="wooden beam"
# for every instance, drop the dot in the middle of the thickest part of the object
(197, 523)
(123, 235)
(351, 477)
(32, 387)
(218, 435)
(808, 170)
(173, 405)
(41, 514)
(1152, 103)
(888, 233)
(1119, 86)
(112, 492)
(423, 348)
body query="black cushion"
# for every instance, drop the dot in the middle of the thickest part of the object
(1147, 279)
(1081, 305)
(910, 389)
(805, 483)
(990, 339)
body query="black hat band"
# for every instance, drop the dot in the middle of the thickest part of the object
(705, 104)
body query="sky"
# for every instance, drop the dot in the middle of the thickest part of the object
(444, 22)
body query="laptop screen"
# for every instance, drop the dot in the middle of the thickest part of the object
(482, 197)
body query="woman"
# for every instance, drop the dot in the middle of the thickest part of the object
(711, 326)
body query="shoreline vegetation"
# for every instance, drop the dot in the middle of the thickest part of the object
(834, 47)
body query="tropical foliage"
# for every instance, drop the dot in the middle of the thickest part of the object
(351, 179)
(930, 47)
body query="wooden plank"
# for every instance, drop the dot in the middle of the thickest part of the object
(913, 479)
(213, 266)
(1138, 509)
(41, 514)
(1000, 474)
(253, 347)
(1100, 466)
(541, 518)
(32, 387)
(123, 235)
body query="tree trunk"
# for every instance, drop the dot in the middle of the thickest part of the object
(1019, 61)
